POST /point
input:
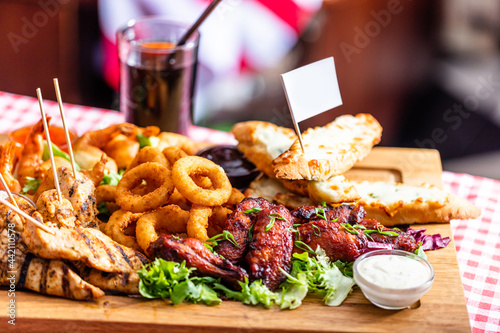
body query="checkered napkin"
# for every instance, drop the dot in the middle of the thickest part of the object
(477, 241)
(478, 248)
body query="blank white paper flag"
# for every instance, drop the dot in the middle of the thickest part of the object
(312, 89)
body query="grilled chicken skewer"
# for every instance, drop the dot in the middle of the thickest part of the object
(17, 266)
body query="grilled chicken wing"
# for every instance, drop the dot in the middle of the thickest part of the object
(196, 255)
(88, 245)
(80, 192)
(239, 224)
(271, 246)
(338, 243)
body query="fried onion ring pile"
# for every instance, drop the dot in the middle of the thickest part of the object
(168, 191)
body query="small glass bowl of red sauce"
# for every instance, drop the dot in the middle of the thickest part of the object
(239, 170)
(57, 136)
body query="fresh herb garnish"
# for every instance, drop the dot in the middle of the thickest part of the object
(273, 217)
(316, 230)
(226, 235)
(252, 210)
(303, 246)
(250, 232)
(420, 251)
(32, 184)
(320, 212)
(144, 141)
(349, 228)
(323, 203)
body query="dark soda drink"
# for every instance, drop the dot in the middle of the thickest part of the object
(157, 85)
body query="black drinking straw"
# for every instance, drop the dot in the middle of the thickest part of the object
(198, 22)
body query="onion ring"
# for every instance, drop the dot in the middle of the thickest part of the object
(168, 219)
(217, 220)
(119, 225)
(105, 193)
(178, 199)
(189, 166)
(198, 222)
(152, 173)
(173, 153)
(148, 154)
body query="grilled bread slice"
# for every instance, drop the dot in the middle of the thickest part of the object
(262, 142)
(329, 150)
(392, 204)
(332, 191)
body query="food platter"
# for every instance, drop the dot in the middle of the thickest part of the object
(443, 308)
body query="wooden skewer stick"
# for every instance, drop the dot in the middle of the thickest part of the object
(49, 144)
(27, 217)
(68, 139)
(4, 183)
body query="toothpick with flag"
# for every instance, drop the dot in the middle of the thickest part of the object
(311, 90)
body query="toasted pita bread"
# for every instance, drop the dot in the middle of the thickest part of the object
(329, 150)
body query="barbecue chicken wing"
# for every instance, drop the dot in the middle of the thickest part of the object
(198, 256)
(271, 246)
(338, 242)
(239, 224)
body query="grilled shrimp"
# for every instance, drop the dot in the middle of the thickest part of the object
(31, 157)
(7, 155)
(89, 147)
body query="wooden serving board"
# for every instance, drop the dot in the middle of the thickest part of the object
(443, 308)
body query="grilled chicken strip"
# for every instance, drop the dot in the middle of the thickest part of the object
(117, 282)
(196, 255)
(53, 277)
(239, 224)
(17, 266)
(338, 242)
(80, 192)
(88, 245)
(351, 214)
(271, 246)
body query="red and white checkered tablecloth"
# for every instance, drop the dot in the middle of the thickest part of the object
(477, 241)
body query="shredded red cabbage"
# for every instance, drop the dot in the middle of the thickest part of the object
(429, 242)
(373, 246)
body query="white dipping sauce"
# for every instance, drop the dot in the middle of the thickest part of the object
(395, 272)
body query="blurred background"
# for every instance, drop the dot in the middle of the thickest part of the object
(428, 70)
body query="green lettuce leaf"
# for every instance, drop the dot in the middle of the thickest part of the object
(251, 293)
(144, 141)
(57, 152)
(168, 279)
(32, 184)
(112, 178)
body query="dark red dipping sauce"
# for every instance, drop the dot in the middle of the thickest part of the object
(239, 170)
